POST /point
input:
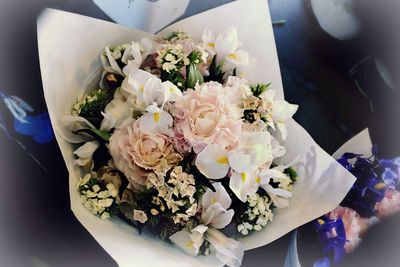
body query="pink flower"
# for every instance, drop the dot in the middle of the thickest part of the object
(205, 116)
(389, 205)
(136, 153)
(354, 226)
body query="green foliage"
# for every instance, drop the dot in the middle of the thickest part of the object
(194, 76)
(175, 77)
(292, 174)
(91, 109)
(216, 73)
(259, 88)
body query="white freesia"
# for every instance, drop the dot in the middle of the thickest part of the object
(156, 121)
(244, 184)
(213, 162)
(132, 58)
(85, 154)
(214, 216)
(117, 110)
(279, 196)
(109, 60)
(215, 207)
(254, 150)
(226, 47)
(190, 241)
(282, 111)
(149, 89)
(227, 250)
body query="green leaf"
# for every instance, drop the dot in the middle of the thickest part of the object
(194, 76)
(216, 73)
(99, 135)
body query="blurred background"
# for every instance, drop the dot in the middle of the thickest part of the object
(339, 62)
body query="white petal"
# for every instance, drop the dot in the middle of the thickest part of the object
(171, 91)
(212, 162)
(220, 195)
(108, 122)
(239, 57)
(71, 124)
(119, 110)
(156, 121)
(183, 241)
(227, 44)
(278, 196)
(85, 154)
(243, 185)
(114, 67)
(154, 92)
(241, 161)
(228, 250)
(282, 110)
(211, 212)
(223, 219)
(282, 129)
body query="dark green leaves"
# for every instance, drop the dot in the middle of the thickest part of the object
(259, 88)
(101, 136)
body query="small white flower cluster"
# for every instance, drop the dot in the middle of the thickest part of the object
(259, 214)
(84, 100)
(94, 198)
(171, 57)
(177, 193)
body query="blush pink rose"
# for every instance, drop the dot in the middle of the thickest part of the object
(136, 153)
(389, 205)
(205, 116)
(354, 226)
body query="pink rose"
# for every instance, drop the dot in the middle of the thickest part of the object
(389, 205)
(205, 116)
(136, 153)
(354, 226)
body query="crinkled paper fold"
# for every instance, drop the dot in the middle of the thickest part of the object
(69, 49)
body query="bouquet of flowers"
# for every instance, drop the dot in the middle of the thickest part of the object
(181, 146)
(183, 139)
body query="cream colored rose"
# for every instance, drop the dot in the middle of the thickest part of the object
(136, 153)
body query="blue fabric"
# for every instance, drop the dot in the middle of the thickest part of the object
(39, 127)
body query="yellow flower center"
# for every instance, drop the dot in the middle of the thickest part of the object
(156, 117)
(222, 160)
(244, 177)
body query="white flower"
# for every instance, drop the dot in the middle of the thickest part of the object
(156, 121)
(227, 250)
(215, 207)
(254, 150)
(115, 114)
(139, 215)
(213, 162)
(282, 111)
(190, 242)
(226, 47)
(132, 58)
(280, 197)
(243, 184)
(149, 89)
(85, 154)
(71, 124)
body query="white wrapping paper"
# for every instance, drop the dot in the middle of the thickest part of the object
(359, 144)
(69, 49)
